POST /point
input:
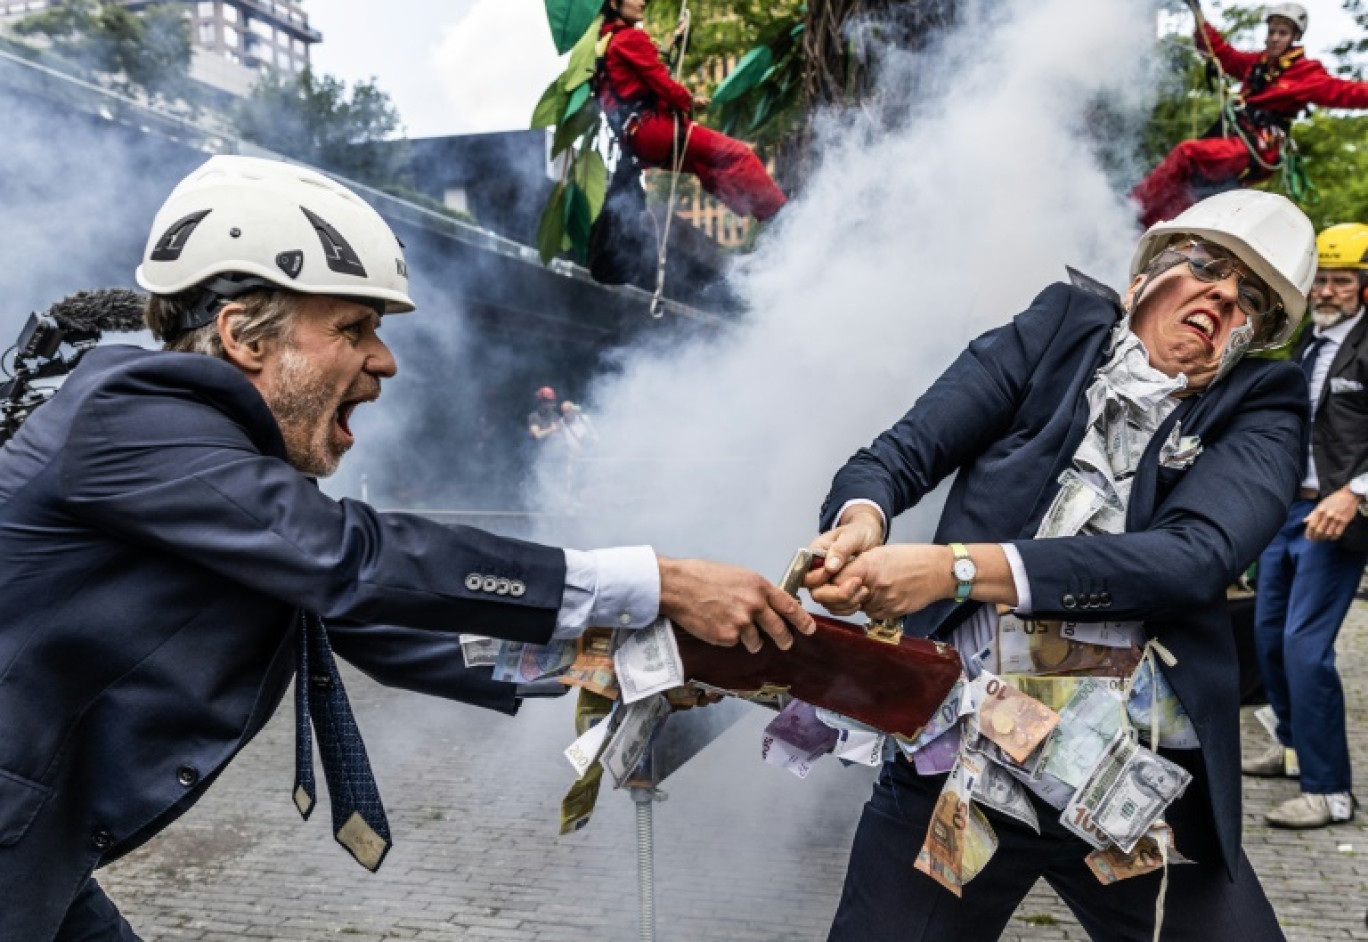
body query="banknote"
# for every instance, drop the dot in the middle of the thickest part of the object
(997, 789)
(942, 853)
(578, 805)
(1055, 692)
(860, 747)
(938, 756)
(980, 843)
(946, 715)
(1112, 865)
(1026, 646)
(592, 668)
(1112, 634)
(1075, 503)
(629, 740)
(648, 662)
(1175, 726)
(1147, 785)
(479, 651)
(1080, 815)
(584, 751)
(524, 663)
(1013, 720)
(1087, 725)
(796, 738)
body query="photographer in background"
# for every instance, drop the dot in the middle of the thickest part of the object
(167, 561)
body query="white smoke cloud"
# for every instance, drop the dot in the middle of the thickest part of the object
(906, 243)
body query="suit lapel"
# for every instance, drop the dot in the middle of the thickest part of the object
(1345, 355)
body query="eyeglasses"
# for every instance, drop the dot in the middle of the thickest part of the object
(1211, 264)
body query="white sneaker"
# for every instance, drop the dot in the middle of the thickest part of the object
(1313, 811)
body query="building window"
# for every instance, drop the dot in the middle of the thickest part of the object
(230, 37)
(230, 13)
(208, 32)
(206, 8)
(261, 28)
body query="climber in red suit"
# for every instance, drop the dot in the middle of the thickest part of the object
(642, 103)
(1278, 84)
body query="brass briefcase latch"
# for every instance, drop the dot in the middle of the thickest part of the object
(887, 630)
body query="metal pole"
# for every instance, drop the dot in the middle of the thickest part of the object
(644, 798)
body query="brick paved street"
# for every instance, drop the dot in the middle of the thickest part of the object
(744, 850)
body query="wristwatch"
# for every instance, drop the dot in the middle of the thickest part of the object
(964, 572)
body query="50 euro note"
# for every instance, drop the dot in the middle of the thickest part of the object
(1026, 646)
(942, 853)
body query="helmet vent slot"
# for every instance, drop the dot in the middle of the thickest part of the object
(172, 242)
(337, 252)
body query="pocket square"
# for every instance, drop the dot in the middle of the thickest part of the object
(1338, 384)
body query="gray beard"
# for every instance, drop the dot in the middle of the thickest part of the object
(1327, 319)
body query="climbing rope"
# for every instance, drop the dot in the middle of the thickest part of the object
(679, 149)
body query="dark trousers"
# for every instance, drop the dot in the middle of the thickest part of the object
(886, 900)
(1305, 590)
(93, 918)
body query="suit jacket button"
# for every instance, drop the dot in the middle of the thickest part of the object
(504, 587)
(1106, 599)
(474, 581)
(490, 583)
(625, 619)
(187, 776)
(103, 840)
(1094, 601)
(1068, 601)
(517, 589)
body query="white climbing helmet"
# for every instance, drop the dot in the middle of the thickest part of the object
(1266, 232)
(252, 223)
(1294, 12)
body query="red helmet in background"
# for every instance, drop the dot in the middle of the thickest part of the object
(546, 394)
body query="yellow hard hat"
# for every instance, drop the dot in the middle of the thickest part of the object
(1343, 246)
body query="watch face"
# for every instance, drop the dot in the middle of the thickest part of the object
(964, 570)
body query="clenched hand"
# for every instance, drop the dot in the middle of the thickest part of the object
(724, 604)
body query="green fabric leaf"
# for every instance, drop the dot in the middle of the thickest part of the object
(578, 220)
(574, 127)
(583, 58)
(575, 101)
(551, 232)
(749, 72)
(591, 176)
(551, 108)
(568, 20)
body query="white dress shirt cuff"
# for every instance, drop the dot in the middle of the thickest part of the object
(608, 588)
(1023, 585)
(864, 501)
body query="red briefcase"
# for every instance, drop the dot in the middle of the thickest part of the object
(875, 676)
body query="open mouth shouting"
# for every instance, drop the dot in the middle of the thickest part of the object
(342, 417)
(1204, 324)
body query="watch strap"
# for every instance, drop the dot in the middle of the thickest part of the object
(962, 588)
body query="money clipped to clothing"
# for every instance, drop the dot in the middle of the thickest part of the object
(895, 686)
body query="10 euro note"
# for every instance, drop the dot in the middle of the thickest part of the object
(1015, 722)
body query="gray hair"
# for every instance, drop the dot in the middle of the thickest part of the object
(265, 315)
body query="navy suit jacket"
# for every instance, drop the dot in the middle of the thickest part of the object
(1009, 415)
(154, 548)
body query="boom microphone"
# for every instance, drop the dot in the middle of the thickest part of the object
(113, 309)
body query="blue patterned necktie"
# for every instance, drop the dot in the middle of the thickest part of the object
(359, 821)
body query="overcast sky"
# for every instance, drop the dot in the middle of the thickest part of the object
(464, 66)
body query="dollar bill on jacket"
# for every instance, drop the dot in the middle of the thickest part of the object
(942, 853)
(479, 651)
(796, 738)
(1015, 722)
(1080, 815)
(647, 661)
(1147, 785)
(628, 742)
(997, 789)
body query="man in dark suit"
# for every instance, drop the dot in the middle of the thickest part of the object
(1309, 573)
(1213, 443)
(166, 561)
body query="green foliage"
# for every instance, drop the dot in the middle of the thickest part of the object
(1349, 53)
(148, 52)
(1335, 149)
(583, 58)
(568, 20)
(316, 119)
